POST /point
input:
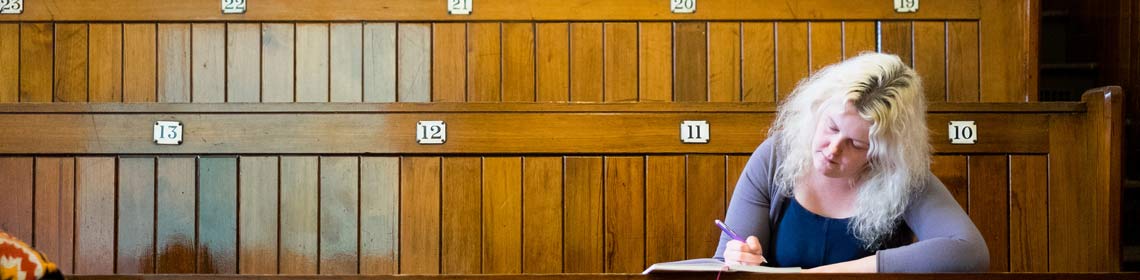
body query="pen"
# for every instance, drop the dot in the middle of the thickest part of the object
(731, 234)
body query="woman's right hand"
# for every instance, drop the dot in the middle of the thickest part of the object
(736, 252)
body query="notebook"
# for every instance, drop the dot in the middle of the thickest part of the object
(710, 264)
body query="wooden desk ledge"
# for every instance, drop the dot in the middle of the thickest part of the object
(678, 276)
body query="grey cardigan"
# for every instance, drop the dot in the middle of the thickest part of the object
(947, 240)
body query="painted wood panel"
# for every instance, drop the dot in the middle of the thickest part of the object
(704, 186)
(105, 68)
(257, 214)
(552, 65)
(485, 62)
(826, 44)
(665, 208)
(278, 57)
(346, 62)
(620, 51)
(54, 210)
(140, 62)
(963, 74)
(655, 61)
(339, 220)
(989, 206)
(1028, 213)
(174, 52)
(791, 56)
(70, 63)
(299, 211)
(724, 61)
(859, 37)
(690, 62)
(448, 62)
(930, 58)
(134, 239)
(95, 215)
(312, 62)
(463, 216)
(16, 217)
(624, 197)
(9, 63)
(379, 62)
(413, 65)
(420, 215)
(208, 56)
(518, 62)
(542, 215)
(896, 39)
(36, 60)
(175, 232)
(758, 65)
(502, 215)
(586, 62)
(217, 215)
(582, 215)
(379, 214)
(243, 62)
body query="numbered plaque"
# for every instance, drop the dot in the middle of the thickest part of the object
(233, 6)
(685, 6)
(11, 6)
(168, 133)
(459, 7)
(906, 6)
(963, 132)
(694, 132)
(431, 132)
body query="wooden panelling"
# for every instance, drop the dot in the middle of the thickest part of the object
(484, 61)
(95, 215)
(54, 210)
(312, 62)
(989, 206)
(704, 186)
(1004, 52)
(733, 169)
(414, 65)
(502, 215)
(340, 206)
(962, 73)
(1105, 128)
(1028, 137)
(16, 216)
(552, 65)
(693, 275)
(791, 56)
(620, 61)
(243, 62)
(586, 62)
(420, 215)
(758, 65)
(346, 62)
(174, 225)
(379, 63)
(448, 61)
(208, 60)
(826, 44)
(953, 171)
(379, 214)
(655, 61)
(298, 212)
(724, 61)
(930, 58)
(1028, 214)
(278, 54)
(665, 206)
(518, 62)
(140, 55)
(690, 62)
(624, 214)
(463, 216)
(105, 52)
(582, 216)
(257, 215)
(859, 37)
(896, 38)
(70, 63)
(36, 60)
(542, 215)
(217, 211)
(134, 253)
(9, 63)
(173, 63)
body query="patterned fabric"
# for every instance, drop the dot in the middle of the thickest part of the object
(18, 261)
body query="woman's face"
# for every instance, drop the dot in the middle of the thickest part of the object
(839, 148)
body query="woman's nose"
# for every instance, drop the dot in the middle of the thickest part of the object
(834, 147)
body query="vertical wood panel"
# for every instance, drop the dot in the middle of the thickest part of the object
(36, 61)
(1068, 201)
(758, 68)
(346, 62)
(95, 215)
(704, 190)
(379, 213)
(140, 55)
(278, 54)
(896, 39)
(930, 58)
(586, 62)
(826, 44)
(791, 56)
(217, 215)
(414, 68)
(340, 202)
(419, 215)
(70, 62)
(953, 172)
(463, 216)
(173, 63)
(552, 67)
(665, 206)
(625, 214)
(502, 215)
(655, 61)
(858, 37)
(989, 206)
(174, 227)
(208, 53)
(484, 58)
(1004, 51)
(16, 215)
(257, 215)
(312, 62)
(963, 75)
(690, 62)
(55, 209)
(724, 61)
(449, 62)
(135, 231)
(9, 63)
(582, 195)
(542, 215)
(1028, 214)
(106, 57)
(299, 212)
(620, 54)
(243, 62)
(518, 62)
(379, 62)
(733, 167)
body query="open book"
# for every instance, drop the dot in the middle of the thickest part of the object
(710, 264)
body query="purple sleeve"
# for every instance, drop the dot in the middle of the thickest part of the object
(947, 240)
(748, 210)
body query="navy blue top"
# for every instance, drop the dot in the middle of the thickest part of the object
(804, 239)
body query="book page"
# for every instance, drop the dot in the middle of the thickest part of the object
(710, 264)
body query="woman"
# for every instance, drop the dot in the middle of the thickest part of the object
(844, 179)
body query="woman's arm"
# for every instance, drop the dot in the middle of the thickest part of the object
(948, 241)
(748, 210)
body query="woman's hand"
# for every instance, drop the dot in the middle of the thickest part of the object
(736, 252)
